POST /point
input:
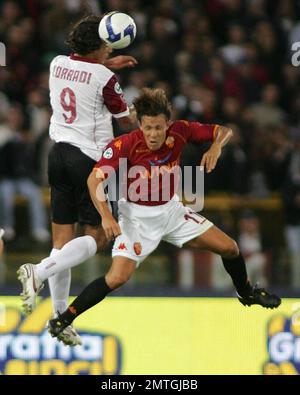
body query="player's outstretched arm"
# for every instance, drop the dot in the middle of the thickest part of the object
(95, 185)
(120, 62)
(210, 158)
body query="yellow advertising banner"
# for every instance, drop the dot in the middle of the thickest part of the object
(138, 335)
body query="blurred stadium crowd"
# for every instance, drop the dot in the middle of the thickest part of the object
(223, 61)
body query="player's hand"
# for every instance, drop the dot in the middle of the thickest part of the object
(120, 62)
(210, 158)
(111, 228)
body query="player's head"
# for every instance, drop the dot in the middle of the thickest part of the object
(83, 38)
(153, 112)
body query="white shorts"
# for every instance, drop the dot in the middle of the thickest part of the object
(143, 227)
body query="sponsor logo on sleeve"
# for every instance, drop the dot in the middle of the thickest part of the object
(108, 153)
(118, 88)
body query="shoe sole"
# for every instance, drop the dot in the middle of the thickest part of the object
(65, 339)
(22, 277)
(252, 304)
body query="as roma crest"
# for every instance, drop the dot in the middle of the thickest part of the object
(137, 248)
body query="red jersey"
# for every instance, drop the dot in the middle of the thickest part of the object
(152, 173)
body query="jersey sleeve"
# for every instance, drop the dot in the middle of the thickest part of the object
(113, 152)
(51, 66)
(114, 99)
(196, 131)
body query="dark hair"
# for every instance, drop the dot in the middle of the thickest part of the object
(152, 102)
(83, 37)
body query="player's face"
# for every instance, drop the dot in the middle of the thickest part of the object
(155, 130)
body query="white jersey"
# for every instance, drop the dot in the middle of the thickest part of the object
(84, 95)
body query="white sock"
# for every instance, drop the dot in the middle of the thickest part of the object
(72, 253)
(59, 285)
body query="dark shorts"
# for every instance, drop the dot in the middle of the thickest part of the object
(68, 171)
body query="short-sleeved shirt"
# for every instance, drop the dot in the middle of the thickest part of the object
(145, 179)
(84, 96)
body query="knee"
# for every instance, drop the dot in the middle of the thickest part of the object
(116, 280)
(99, 237)
(102, 244)
(231, 250)
(59, 242)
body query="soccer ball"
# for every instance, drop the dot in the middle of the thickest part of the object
(117, 29)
